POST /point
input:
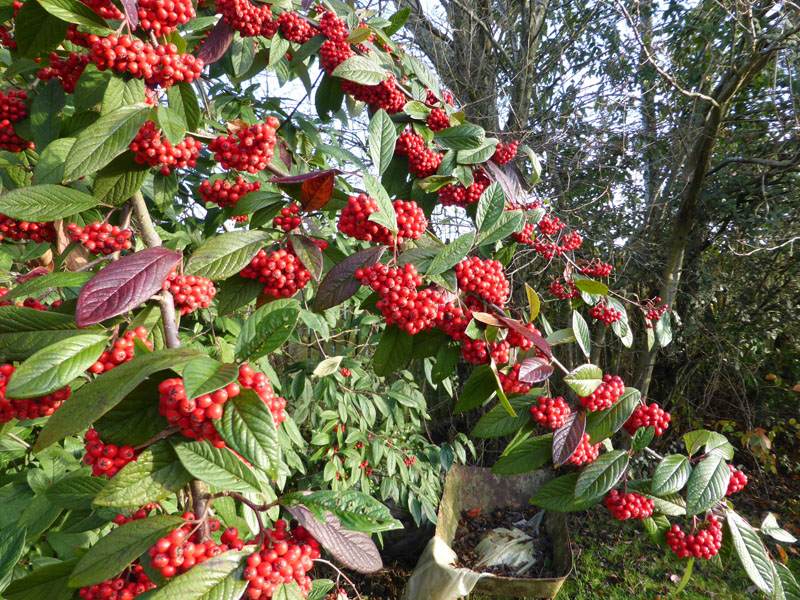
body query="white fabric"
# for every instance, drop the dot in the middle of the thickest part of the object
(435, 577)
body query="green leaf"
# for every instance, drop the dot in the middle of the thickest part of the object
(183, 99)
(36, 31)
(584, 380)
(581, 331)
(397, 20)
(46, 583)
(671, 475)
(671, 505)
(605, 423)
(123, 545)
(45, 120)
(94, 400)
(534, 304)
(695, 439)
(718, 445)
(707, 484)
(39, 285)
(328, 366)
(479, 388)
(769, 526)
(50, 166)
(452, 254)
(355, 510)
(423, 73)
(663, 330)
(393, 351)
(558, 495)
(73, 11)
(490, 207)
(104, 140)
(12, 548)
(171, 124)
(386, 214)
(218, 578)
(479, 155)
(461, 137)
(204, 375)
(236, 292)
(525, 457)
(642, 438)
(46, 202)
(590, 286)
(165, 188)
(77, 491)
(417, 110)
(115, 183)
(53, 367)
(791, 589)
(154, 475)
(360, 69)
(602, 474)
(508, 223)
(267, 329)
(240, 55)
(382, 138)
(247, 426)
(498, 423)
(135, 420)
(218, 466)
(751, 551)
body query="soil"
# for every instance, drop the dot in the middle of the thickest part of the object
(472, 528)
(387, 584)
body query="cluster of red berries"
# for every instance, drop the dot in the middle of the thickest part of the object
(430, 98)
(458, 195)
(505, 154)
(526, 235)
(131, 583)
(737, 481)
(295, 28)
(550, 225)
(258, 382)
(585, 452)
(333, 53)
(570, 241)
(510, 382)
(194, 415)
(224, 193)
(122, 351)
(654, 313)
(401, 304)
(478, 351)
(248, 149)
(163, 16)
(155, 150)
(557, 289)
(550, 412)
(705, 544)
(354, 221)
(286, 556)
(516, 339)
(141, 513)
(364, 466)
(331, 26)
(27, 303)
(603, 312)
(421, 161)
(12, 109)
(105, 459)
(484, 278)
(23, 230)
(628, 506)
(105, 8)
(383, 95)
(289, 218)
(157, 65)
(189, 292)
(281, 272)
(345, 372)
(181, 549)
(410, 461)
(247, 18)
(597, 269)
(27, 408)
(101, 238)
(66, 71)
(647, 416)
(606, 394)
(78, 38)
(6, 39)
(438, 120)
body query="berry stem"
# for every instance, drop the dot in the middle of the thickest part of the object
(164, 434)
(340, 574)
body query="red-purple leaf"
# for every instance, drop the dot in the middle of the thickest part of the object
(308, 253)
(131, 8)
(216, 43)
(125, 284)
(354, 549)
(316, 193)
(304, 177)
(566, 439)
(340, 282)
(534, 370)
(520, 328)
(511, 181)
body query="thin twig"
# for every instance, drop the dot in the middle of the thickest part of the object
(162, 435)
(18, 440)
(341, 574)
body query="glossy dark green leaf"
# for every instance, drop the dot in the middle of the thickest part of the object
(360, 69)
(751, 552)
(526, 456)
(36, 31)
(218, 578)
(707, 484)
(204, 375)
(393, 351)
(558, 495)
(600, 475)
(382, 138)
(452, 254)
(218, 466)
(355, 510)
(48, 582)
(77, 491)
(479, 388)
(267, 328)
(605, 423)
(45, 202)
(671, 475)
